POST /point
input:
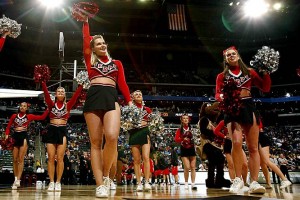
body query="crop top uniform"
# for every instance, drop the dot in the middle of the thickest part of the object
(242, 81)
(58, 110)
(20, 123)
(103, 67)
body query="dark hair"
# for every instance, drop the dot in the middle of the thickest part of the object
(243, 66)
(207, 133)
(27, 111)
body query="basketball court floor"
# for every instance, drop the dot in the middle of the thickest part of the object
(87, 192)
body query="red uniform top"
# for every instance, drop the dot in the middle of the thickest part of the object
(243, 81)
(22, 120)
(145, 112)
(179, 137)
(219, 128)
(58, 109)
(104, 67)
(2, 41)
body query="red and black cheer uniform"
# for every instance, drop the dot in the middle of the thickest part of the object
(139, 136)
(58, 110)
(184, 136)
(102, 96)
(2, 41)
(221, 131)
(243, 81)
(22, 120)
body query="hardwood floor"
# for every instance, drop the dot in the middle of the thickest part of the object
(168, 192)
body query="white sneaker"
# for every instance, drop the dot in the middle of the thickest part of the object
(256, 188)
(139, 188)
(113, 186)
(18, 183)
(236, 185)
(285, 184)
(147, 187)
(107, 182)
(15, 185)
(57, 186)
(102, 191)
(51, 186)
(186, 186)
(245, 189)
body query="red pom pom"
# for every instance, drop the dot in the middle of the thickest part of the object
(41, 73)
(82, 9)
(232, 102)
(7, 144)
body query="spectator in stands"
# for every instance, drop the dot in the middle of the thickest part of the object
(20, 123)
(139, 141)
(246, 120)
(184, 136)
(265, 162)
(37, 164)
(101, 108)
(55, 138)
(3, 38)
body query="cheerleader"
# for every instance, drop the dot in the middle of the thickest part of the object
(101, 109)
(20, 123)
(246, 121)
(139, 140)
(187, 148)
(55, 138)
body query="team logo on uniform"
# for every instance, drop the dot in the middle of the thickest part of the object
(59, 112)
(241, 80)
(106, 69)
(20, 121)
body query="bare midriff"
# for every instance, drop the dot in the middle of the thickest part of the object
(20, 129)
(59, 122)
(245, 93)
(104, 81)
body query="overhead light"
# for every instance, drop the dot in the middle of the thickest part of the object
(51, 3)
(277, 6)
(255, 8)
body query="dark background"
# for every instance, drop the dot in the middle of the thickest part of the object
(138, 35)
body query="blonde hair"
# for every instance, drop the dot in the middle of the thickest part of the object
(132, 96)
(65, 99)
(94, 56)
